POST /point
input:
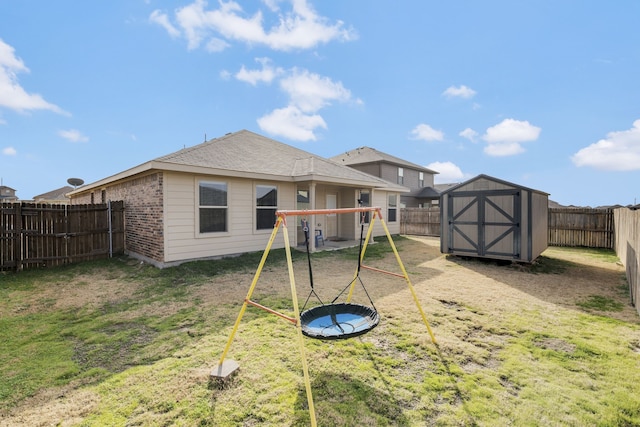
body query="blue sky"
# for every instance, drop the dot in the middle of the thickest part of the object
(545, 94)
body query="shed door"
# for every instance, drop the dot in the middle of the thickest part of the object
(485, 223)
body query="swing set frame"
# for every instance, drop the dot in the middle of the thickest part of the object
(226, 368)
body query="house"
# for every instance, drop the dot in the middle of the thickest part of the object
(417, 178)
(7, 194)
(58, 196)
(487, 217)
(219, 198)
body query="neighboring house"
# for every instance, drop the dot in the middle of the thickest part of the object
(7, 194)
(220, 197)
(58, 196)
(417, 178)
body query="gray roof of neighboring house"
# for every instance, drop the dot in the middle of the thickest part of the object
(442, 187)
(364, 155)
(247, 154)
(427, 193)
(59, 194)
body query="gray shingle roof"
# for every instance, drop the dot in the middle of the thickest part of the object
(58, 194)
(363, 155)
(248, 152)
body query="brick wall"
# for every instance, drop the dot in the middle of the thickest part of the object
(143, 210)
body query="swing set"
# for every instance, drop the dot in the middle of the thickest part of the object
(331, 321)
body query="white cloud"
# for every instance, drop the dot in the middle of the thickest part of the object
(216, 45)
(299, 28)
(162, 19)
(311, 92)
(469, 134)
(12, 95)
(425, 132)
(73, 135)
(9, 151)
(449, 172)
(266, 74)
(459, 92)
(619, 151)
(290, 122)
(503, 149)
(308, 93)
(505, 138)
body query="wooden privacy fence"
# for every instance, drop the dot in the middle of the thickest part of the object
(420, 221)
(587, 227)
(37, 235)
(628, 249)
(567, 226)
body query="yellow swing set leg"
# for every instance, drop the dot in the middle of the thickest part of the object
(376, 214)
(305, 367)
(223, 369)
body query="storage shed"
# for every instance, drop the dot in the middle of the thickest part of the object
(490, 218)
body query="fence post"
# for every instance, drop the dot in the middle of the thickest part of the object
(17, 248)
(110, 229)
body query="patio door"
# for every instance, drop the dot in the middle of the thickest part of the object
(331, 221)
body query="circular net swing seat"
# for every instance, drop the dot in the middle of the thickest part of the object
(338, 321)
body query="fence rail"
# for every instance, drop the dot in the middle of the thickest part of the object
(36, 235)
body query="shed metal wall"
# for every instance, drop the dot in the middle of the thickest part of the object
(490, 218)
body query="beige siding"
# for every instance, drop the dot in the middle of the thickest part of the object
(380, 199)
(182, 239)
(539, 224)
(389, 172)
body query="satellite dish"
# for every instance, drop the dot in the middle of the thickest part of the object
(75, 182)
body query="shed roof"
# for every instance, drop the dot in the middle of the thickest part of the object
(247, 154)
(490, 178)
(364, 155)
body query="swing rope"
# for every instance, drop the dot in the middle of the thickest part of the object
(305, 228)
(362, 218)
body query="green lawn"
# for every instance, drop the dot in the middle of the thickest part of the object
(120, 343)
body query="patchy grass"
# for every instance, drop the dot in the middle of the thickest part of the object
(120, 343)
(600, 303)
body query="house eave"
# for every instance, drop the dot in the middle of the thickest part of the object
(155, 165)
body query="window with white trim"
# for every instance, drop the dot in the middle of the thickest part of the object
(392, 207)
(212, 206)
(266, 206)
(400, 176)
(421, 180)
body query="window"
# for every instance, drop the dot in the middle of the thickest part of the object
(421, 180)
(364, 202)
(266, 206)
(400, 176)
(213, 207)
(392, 207)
